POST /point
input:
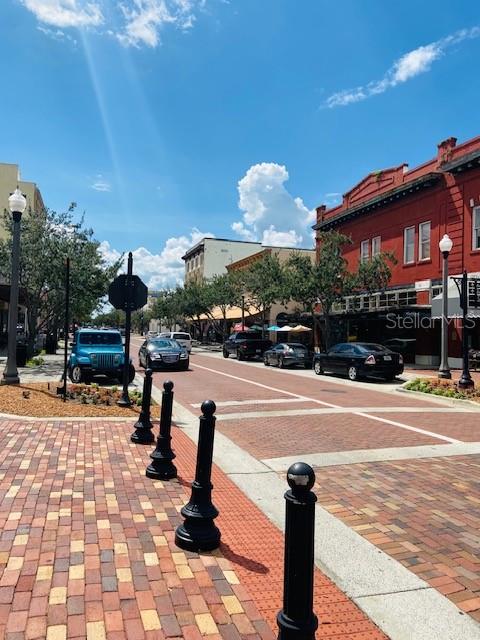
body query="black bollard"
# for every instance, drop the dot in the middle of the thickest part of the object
(162, 467)
(198, 532)
(296, 621)
(143, 427)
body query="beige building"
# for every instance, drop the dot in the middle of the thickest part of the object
(211, 256)
(9, 180)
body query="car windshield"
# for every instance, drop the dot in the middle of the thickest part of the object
(372, 347)
(181, 336)
(295, 345)
(165, 344)
(99, 338)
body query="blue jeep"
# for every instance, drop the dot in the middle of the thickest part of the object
(96, 352)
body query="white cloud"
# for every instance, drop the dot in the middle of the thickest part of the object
(271, 214)
(161, 270)
(57, 34)
(408, 66)
(133, 22)
(101, 184)
(66, 13)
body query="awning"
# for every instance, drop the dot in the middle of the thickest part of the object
(454, 308)
(233, 313)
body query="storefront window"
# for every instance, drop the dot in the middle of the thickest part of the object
(364, 250)
(376, 242)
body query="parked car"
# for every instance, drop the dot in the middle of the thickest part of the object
(163, 353)
(287, 354)
(97, 352)
(151, 334)
(245, 344)
(185, 339)
(359, 359)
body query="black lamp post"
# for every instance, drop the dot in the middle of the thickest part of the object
(17, 205)
(465, 381)
(445, 246)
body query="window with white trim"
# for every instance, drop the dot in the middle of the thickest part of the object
(476, 228)
(424, 241)
(376, 242)
(364, 250)
(409, 245)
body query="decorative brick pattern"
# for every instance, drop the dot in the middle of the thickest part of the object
(87, 551)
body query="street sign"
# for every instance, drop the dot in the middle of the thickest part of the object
(123, 297)
(474, 293)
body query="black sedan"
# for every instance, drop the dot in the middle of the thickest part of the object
(163, 353)
(359, 359)
(286, 354)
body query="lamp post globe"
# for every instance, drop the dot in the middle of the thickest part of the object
(445, 245)
(17, 205)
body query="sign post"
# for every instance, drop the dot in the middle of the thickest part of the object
(462, 283)
(127, 292)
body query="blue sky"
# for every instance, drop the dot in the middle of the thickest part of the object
(167, 119)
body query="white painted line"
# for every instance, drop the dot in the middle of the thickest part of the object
(340, 458)
(401, 425)
(234, 403)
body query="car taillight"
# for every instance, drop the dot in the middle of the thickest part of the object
(370, 360)
(400, 359)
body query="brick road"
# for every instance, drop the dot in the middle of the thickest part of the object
(424, 513)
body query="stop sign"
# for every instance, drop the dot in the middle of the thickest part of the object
(126, 297)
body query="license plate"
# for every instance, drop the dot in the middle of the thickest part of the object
(387, 357)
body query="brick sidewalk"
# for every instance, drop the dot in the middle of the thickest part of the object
(86, 549)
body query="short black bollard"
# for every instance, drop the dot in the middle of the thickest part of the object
(296, 621)
(198, 532)
(143, 427)
(162, 467)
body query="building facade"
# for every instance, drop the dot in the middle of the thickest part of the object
(9, 180)
(407, 212)
(210, 257)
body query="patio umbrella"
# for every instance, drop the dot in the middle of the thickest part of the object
(300, 329)
(285, 328)
(256, 327)
(273, 328)
(239, 327)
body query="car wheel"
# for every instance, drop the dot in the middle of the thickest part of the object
(131, 373)
(281, 363)
(76, 375)
(317, 367)
(240, 355)
(225, 353)
(186, 365)
(352, 373)
(265, 361)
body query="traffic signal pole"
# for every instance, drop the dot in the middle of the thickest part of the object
(125, 399)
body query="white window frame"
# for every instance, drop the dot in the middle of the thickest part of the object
(364, 255)
(405, 233)
(376, 250)
(475, 227)
(421, 256)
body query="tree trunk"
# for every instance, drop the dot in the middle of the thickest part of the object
(328, 330)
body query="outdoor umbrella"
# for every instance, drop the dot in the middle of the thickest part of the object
(285, 328)
(300, 329)
(273, 328)
(256, 327)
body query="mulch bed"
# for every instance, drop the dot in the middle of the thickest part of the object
(40, 400)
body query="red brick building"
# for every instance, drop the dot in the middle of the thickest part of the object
(407, 212)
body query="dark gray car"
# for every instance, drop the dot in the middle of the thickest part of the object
(287, 354)
(163, 353)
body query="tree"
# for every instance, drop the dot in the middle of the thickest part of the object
(193, 302)
(265, 283)
(329, 281)
(167, 307)
(222, 291)
(47, 238)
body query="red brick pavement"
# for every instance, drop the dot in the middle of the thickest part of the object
(424, 513)
(86, 546)
(461, 426)
(292, 435)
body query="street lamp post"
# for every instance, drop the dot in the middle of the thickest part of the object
(17, 205)
(445, 246)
